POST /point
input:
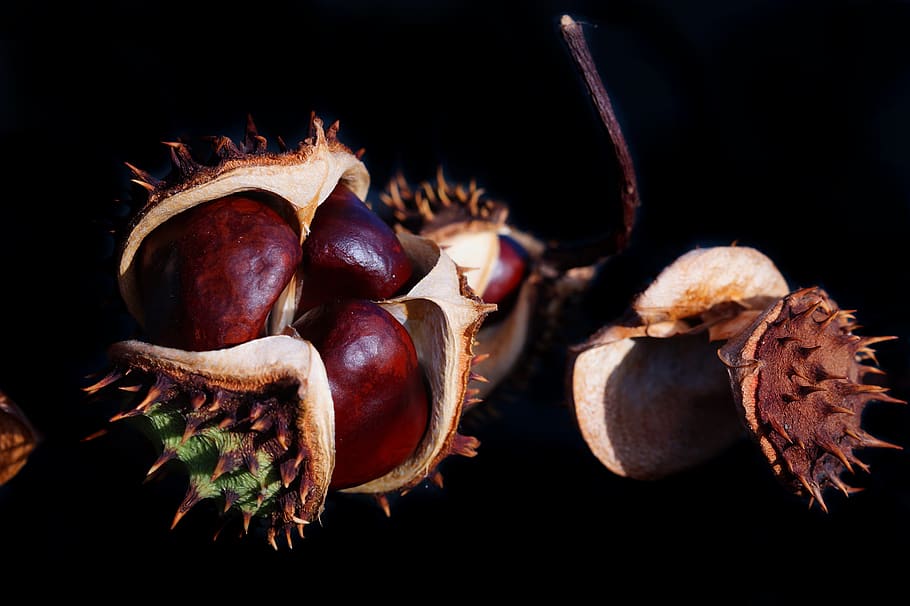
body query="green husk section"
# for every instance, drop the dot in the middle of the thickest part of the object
(247, 490)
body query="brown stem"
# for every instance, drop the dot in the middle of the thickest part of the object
(575, 39)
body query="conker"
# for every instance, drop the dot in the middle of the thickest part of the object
(210, 275)
(377, 385)
(509, 271)
(350, 252)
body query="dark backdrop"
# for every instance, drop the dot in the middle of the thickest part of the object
(780, 125)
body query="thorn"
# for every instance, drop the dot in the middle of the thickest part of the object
(287, 537)
(143, 175)
(109, 378)
(817, 493)
(197, 400)
(125, 414)
(837, 452)
(230, 497)
(146, 186)
(283, 434)
(224, 464)
(383, 502)
(842, 409)
(868, 440)
(189, 430)
(831, 317)
(151, 395)
(808, 311)
(166, 455)
(465, 446)
(271, 539)
(189, 501)
(808, 349)
(479, 358)
(436, 478)
(247, 516)
(288, 471)
(779, 428)
(866, 341)
(262, 424)
(480, 378)
(95, 435)
(844, 488)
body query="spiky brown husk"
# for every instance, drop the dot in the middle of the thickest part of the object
(799, 376)
(17, 438)
(466, 222)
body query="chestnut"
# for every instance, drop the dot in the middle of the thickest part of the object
(377, 385)
(510, 268)
(350, 252)
(209, 276)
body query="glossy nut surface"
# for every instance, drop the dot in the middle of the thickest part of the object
(351, 252)
(380, 398)
(210, 275)
(509, 271)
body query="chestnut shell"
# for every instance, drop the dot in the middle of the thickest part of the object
(254, 423)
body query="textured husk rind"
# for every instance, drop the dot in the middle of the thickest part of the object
(799, 380)
(251, 368)
(649, 395)
(17, 438)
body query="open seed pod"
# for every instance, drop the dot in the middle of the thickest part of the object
(648, 393)
(651, 399)
(17, 439)
(531, 281)
(799, 377)
(292, 345)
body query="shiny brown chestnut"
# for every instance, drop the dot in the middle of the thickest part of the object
(350, 252)
(510, 269)
(210, 276)
(377, 384)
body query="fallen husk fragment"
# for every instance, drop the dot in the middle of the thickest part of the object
(648, 393)
(651, 399)
(17, 439)
(797, 375)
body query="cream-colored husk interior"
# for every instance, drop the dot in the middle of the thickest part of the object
(304, 184)
(442, 323)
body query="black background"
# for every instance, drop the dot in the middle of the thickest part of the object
(779, 125)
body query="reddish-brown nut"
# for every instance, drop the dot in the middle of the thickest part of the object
(510, 269)
(377, 385)
(210, 276)
(350, 252)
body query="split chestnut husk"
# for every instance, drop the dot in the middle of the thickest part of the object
(18, 439)
(651, 398)
(281, 322)
(531, 281)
